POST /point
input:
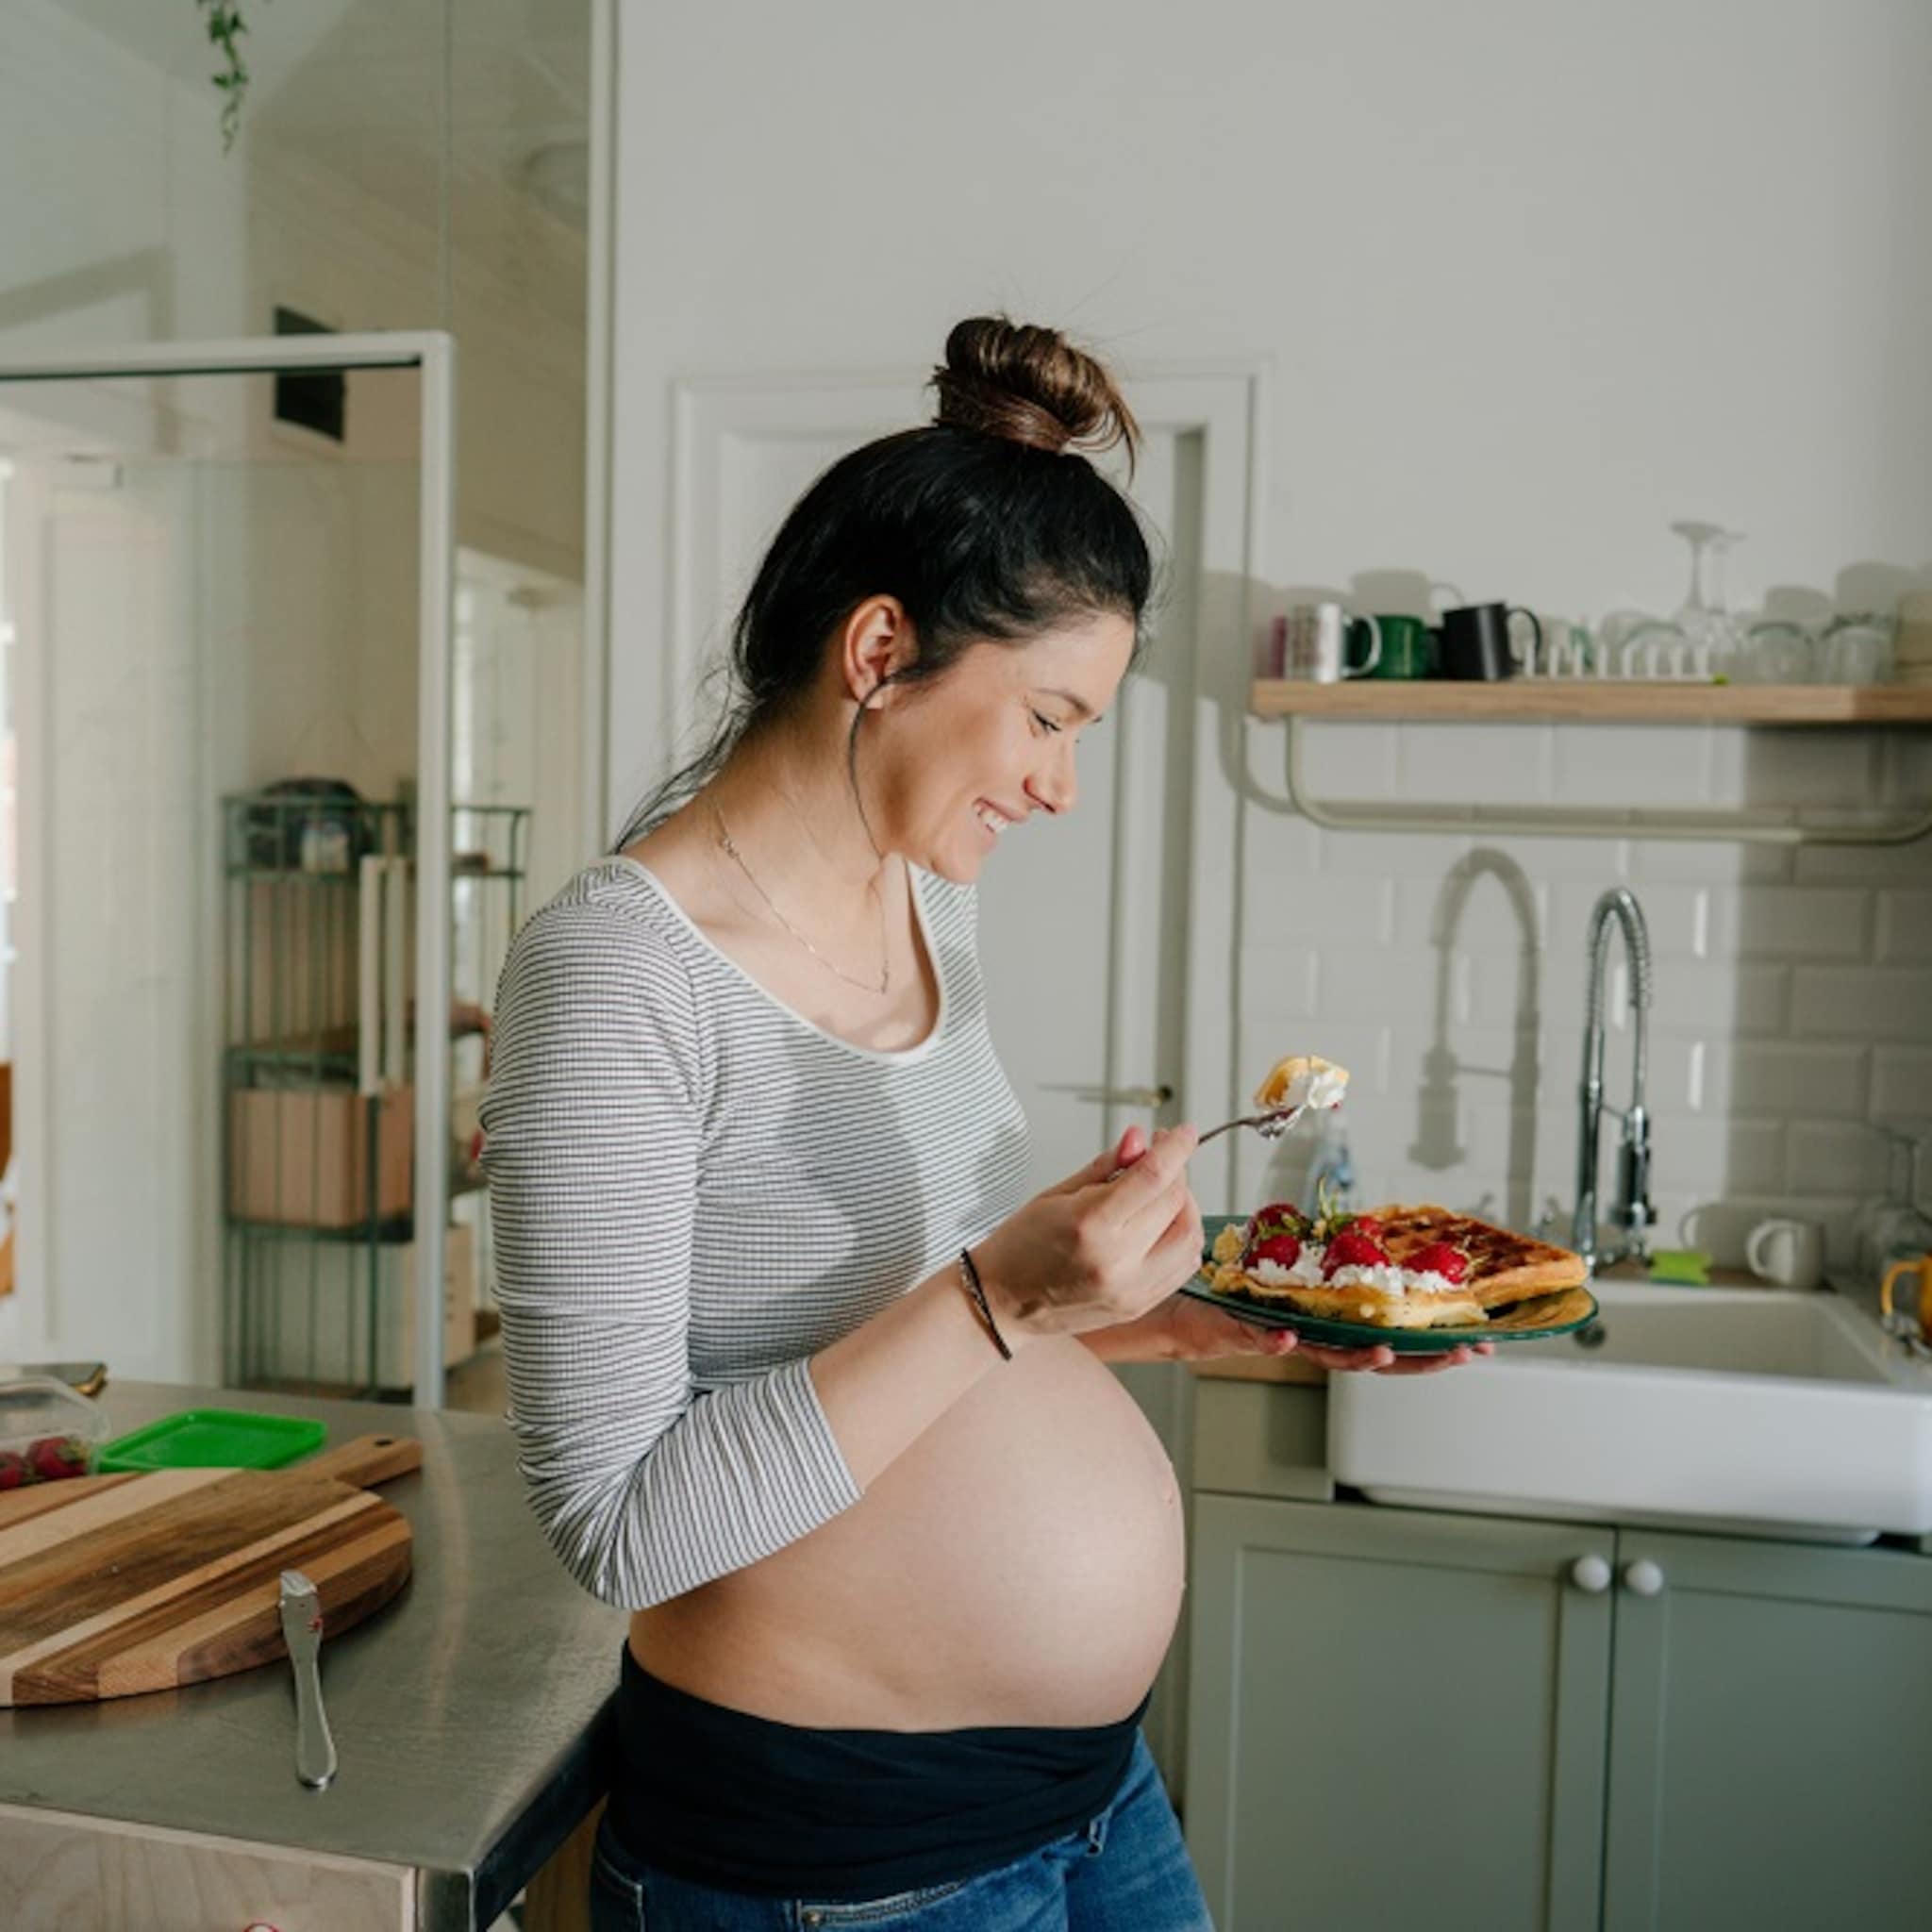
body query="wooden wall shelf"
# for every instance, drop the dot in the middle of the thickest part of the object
(1603, 701)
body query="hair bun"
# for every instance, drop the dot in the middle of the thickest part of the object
(1031, 386)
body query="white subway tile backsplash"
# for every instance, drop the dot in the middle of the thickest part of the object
(1403, 856)
(1836, 1159)
(1358, 910)
(1626, 765)
(1794, 923)
(1721, 865)
(1801, 766)
(1385, 984)
(1876, 1002)
(1487, 764)
(1905, 774)
(1716, 995)
(1792, 991)
(1904, 927)
(1773, 1077)
(1710, 1159)
(1473, 906)
(1600, 862)
(1902, 1084)
(1876, 865)
(1349, 762)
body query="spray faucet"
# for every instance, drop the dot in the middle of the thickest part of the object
(1633, 1215)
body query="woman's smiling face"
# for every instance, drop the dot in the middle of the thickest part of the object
(993, 740)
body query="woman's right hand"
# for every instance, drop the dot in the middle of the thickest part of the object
(1094, 1251)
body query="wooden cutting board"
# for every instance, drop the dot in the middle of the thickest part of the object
(111, 1585)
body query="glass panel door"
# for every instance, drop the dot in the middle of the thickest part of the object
(225, 571)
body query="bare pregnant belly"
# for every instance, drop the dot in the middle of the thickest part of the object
(1021, 1564)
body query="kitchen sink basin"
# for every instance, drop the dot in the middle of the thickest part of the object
(1752, 1410)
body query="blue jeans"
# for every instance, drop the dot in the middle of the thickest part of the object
(1124, 1871)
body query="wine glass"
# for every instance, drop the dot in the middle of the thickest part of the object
(1714, 633)
(1895, 1225)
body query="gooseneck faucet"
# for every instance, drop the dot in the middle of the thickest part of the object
(1633, 1214)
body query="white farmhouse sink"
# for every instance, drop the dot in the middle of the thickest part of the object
(1752, 1410)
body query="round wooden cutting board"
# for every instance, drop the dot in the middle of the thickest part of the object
(111, 1585)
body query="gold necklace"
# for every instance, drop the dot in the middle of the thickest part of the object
(725, 840)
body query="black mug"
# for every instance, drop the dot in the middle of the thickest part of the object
(1473, 642)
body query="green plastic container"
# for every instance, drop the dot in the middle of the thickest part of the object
(212, 1439)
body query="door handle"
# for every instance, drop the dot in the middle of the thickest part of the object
(1643, 1578)
(1590, 1574)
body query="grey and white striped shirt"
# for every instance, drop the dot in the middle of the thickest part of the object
(692, 1189)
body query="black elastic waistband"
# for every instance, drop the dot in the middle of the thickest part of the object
(719, 1797)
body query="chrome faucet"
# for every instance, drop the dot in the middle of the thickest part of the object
(1633, 1214)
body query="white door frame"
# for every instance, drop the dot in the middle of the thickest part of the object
(432, 352)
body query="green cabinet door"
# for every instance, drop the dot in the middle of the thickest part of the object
(1770, 1738)
(1396, 1719)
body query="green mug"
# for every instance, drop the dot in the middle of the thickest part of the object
(1408, 648)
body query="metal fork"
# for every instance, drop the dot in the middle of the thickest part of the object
(1270, 1125)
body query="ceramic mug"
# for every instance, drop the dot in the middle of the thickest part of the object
(1315, 639)
(1921, 1267)
(1475, 642)
(1408, 647)
(1788, 1253)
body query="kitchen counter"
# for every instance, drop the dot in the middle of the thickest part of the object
(469, 1714)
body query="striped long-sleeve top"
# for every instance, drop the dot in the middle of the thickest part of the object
(692, 1188)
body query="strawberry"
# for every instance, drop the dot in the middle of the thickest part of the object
(1441, 1258)
(14, 1473)
(1353, 1249)
(1282, 1249)
(1280, 1217)
(53, 1456)
(1368, 1226)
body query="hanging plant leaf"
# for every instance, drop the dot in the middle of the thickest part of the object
(225, 27)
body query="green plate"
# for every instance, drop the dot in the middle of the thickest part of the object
(212, 1439)
(1536, 1320)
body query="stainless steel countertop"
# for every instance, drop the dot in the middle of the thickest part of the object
(468, 1713)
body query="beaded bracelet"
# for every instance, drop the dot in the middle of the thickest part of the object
(969, 1275)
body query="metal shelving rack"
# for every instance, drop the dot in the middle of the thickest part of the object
(318, 1060)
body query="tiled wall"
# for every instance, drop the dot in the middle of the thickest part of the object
(1792, 1001)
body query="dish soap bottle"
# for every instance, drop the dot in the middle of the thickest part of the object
(1332, 1176)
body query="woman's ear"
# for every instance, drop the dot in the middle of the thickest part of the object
(876, 643)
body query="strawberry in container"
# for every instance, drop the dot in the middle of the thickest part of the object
(48, 1432)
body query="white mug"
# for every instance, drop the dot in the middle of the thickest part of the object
(1314, 644)
(1789, 1253)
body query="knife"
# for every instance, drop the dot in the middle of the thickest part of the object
(315, 1750)
(90, 1378)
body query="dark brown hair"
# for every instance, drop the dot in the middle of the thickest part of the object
(987, 524)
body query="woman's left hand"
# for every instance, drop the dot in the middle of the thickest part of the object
(1193, 1332)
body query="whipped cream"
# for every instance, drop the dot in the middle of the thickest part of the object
(1393, 1280)
(1319, 1085)
(1383, 1278)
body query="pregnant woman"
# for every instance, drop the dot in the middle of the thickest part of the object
(799, 1377)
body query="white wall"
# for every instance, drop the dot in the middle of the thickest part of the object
(1527, 281)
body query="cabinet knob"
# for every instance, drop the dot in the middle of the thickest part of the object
(1590, 1574)
(1643, 1578)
